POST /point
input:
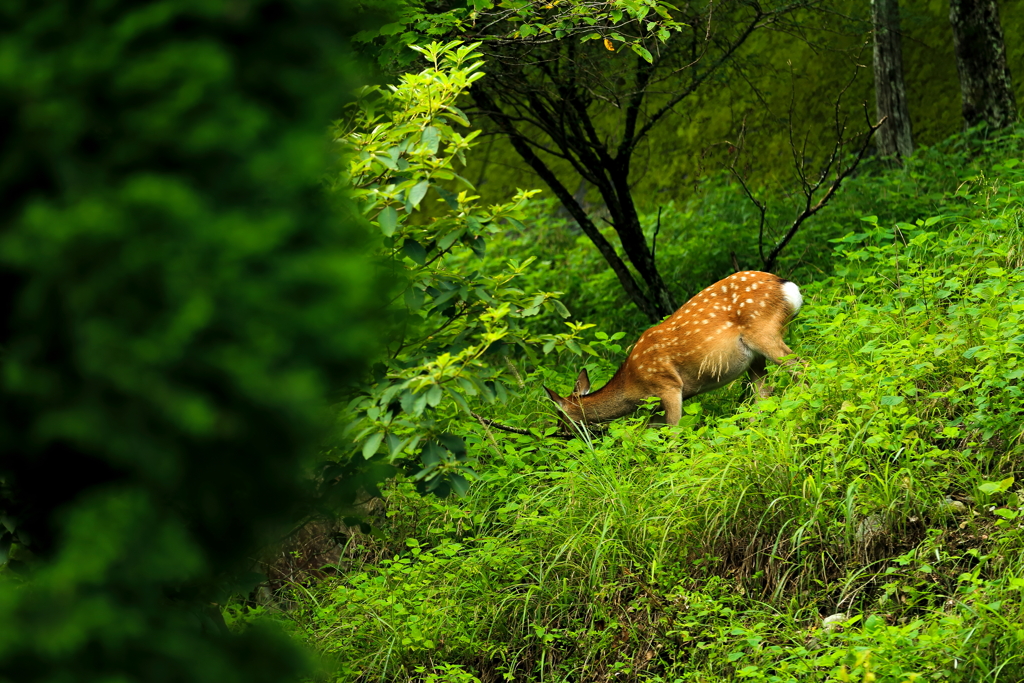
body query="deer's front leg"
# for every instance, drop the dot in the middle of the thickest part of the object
(672, 402)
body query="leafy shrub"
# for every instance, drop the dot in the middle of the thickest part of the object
(452, 322)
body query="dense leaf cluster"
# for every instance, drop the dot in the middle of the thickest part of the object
(453, 317)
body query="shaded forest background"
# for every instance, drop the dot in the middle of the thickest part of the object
(783, 79)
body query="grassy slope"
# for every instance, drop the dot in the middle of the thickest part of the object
(883, 485)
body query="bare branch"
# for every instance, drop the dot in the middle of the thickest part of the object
(697, 82)
(761, 206)
(497, 425)
(654, 239)
(809, 210)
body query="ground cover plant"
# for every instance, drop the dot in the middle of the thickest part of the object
(881, 489)
(697, 241)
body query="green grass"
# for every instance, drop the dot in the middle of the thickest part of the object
(883, 483)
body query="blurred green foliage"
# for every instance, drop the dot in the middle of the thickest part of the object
(180, 300)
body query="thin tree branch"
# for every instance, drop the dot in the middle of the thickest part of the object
(654, 240)
(810, 210)
(699, 80)
(497, 425)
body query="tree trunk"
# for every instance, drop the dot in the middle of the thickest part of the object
(657, 301)
(619, 201)
(985, 87)
(650, 308)
(894, 138)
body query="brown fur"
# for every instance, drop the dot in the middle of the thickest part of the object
(730, 327)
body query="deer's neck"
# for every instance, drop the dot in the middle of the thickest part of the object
(614, 399)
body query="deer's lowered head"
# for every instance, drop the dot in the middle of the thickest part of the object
(731, 327)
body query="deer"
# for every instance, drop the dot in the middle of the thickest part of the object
(733, 326)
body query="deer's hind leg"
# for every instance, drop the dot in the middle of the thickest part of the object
(768, 346)
(757, 373)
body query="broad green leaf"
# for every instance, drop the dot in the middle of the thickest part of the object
(414, 297)
(479, 246)
(450, 238)
(973, 351)
(453, 443)
(474, 224)
(418, 403)
(449, 198)
(415, 251)
(991, 487)
(459, 484)
(467, 386)
(372, 444)
(461, 400)
(643, 52)
(442, 299)
(432, 454)
(388, 219)
(387, 161)
(464, 182)
(431, 139)
(417, 193)
(459, 115)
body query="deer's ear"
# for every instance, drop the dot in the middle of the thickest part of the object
(582, 387)
(554, 397)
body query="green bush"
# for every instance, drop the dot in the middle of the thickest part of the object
(179, 302)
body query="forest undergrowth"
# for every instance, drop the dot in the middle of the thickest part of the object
(863, 524)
